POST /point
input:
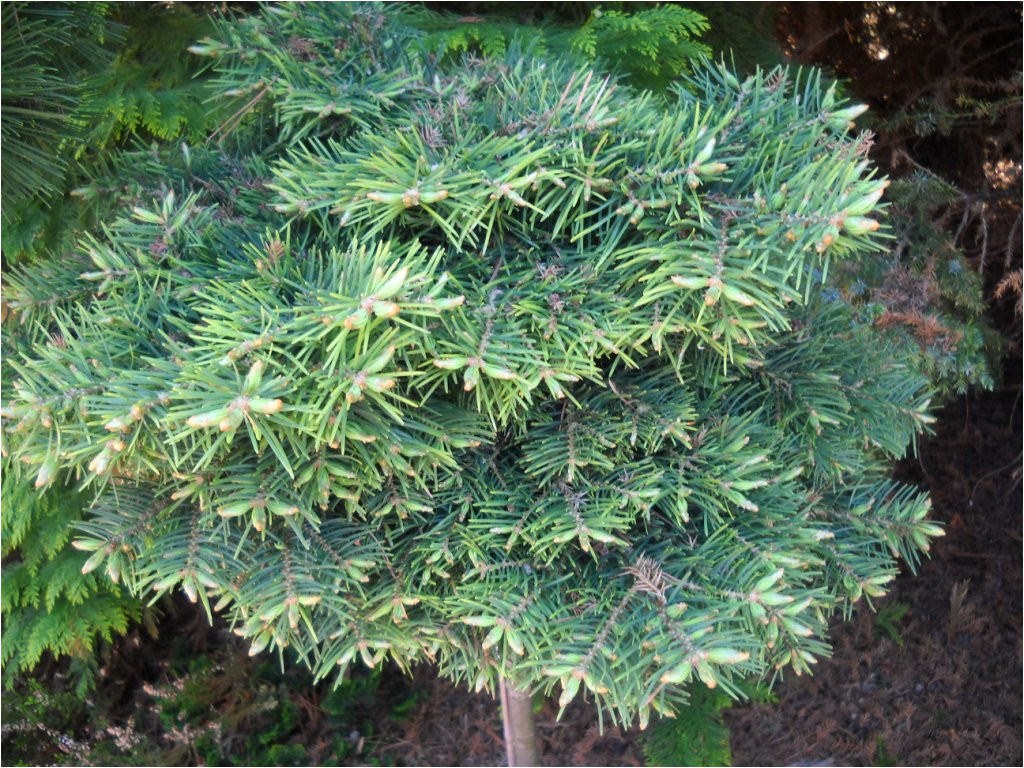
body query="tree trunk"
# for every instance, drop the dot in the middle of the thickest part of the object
(520, 731)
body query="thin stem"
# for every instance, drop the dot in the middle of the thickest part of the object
(520, 729)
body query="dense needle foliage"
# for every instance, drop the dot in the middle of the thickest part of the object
(503, 366)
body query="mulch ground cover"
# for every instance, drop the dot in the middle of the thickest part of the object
(944, 688)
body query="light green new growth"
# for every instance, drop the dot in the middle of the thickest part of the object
(505, 367)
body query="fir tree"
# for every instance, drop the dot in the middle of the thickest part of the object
(503, 366)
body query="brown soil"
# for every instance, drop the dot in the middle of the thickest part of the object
(452, 726)
(944, 688)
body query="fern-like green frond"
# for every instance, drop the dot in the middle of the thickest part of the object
(697, 735)
(650, 47)
(47, 603)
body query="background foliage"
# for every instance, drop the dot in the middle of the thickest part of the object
(650, 46)
(48, 605)
(945, 82)
(212, 707)
(81, 82)
(698, 735)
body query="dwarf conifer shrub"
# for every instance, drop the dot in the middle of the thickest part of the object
(506, 367)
